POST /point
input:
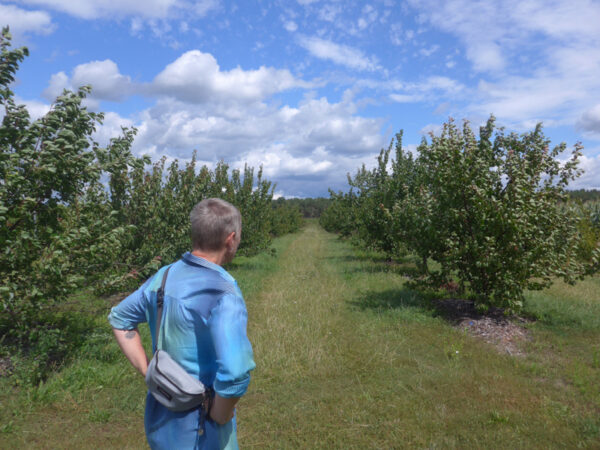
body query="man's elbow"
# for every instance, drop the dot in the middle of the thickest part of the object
(222, 420)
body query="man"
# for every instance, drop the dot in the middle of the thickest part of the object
(203, 328)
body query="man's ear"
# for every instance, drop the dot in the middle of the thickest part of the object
(230, 239)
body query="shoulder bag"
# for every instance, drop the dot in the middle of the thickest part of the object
(169, 383)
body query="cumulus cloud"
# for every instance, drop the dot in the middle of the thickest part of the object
(179, 127)
(36, 109)
(23, 22)
(111, 128)
(196, 77)
(298, 146)
(104, 77)
(339, 54)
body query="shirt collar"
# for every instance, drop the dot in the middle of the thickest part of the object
(196, 260)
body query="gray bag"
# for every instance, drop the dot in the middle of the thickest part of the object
(168, 382)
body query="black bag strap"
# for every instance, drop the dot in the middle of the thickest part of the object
(160, 299)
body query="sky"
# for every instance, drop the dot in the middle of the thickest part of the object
(312, 89)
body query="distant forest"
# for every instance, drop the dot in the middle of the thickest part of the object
(308, 207)
(585, 195)
(314, 207)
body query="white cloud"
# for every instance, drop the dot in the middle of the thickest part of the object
(590, 179)
(590, 120)
(58, 82)
(298, 146)
(539, 60)
(434, 128)
(406, 98)
(429, 51)
(339, 54)
(94, 9)
(22, 21)
(396, 33)
(111, 128)
(196, 77)
(329, 12)
(104, 77)
(369, 16)
(435, 87)
(278, 162)
(496, 32)
(544, 97)
(290, 26)
(36, 109)
(203, 7)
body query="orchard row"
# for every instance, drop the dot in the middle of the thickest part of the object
(490, 212)
(75, 214)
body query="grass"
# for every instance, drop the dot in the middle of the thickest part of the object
(349, 357)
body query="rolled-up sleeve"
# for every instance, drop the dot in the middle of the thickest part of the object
(131, 311)
(233, 350)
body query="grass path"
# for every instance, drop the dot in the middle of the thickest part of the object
(348, 357)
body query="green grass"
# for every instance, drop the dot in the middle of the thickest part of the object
(348, 357)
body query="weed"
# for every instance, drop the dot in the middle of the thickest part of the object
(496, 417)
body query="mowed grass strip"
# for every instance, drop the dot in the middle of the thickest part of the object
(348, 357)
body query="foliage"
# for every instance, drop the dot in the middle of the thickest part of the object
(73, 213)
(363, 211)
(155, 208)
(491, 212)
(48, 167)
(589, 228)
(339, 215)
(287, 218)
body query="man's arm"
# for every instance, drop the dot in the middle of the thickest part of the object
(131, 345)
(222, 409)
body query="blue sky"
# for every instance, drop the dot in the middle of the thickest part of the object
(312, 89)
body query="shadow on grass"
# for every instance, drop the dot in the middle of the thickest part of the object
(405, 266)
(451, 310)
(403, 298)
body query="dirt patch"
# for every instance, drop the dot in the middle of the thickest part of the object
(6, 366)
(505, 333)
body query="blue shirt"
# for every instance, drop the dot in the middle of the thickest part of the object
(203, 328)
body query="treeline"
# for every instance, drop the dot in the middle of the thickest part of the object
(585, 195)
(75, 214)
(491, 212)
(310, 208)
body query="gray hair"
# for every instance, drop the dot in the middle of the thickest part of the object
(212, 221)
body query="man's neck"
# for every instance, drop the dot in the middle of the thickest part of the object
(213, 257)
